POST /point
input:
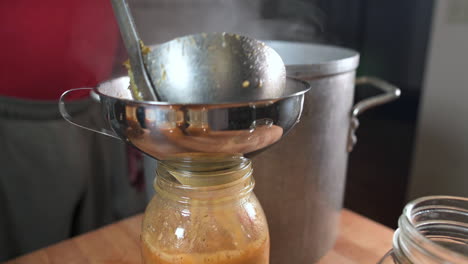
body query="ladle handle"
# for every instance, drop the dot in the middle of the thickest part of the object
(390, 93)
(132, 44)
(69, 118)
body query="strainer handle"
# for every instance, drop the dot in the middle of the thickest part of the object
(390, 93)
(69, 118)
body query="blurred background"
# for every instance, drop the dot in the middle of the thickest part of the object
(415, 146)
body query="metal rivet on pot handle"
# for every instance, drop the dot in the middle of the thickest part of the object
(69, 118)
(390, 93)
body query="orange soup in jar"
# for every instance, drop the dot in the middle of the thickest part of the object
(204, 211)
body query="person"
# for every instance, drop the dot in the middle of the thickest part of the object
(57, 180)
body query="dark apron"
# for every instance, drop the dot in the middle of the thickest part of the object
(57, 180)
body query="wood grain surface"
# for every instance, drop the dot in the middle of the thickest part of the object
(360, 241)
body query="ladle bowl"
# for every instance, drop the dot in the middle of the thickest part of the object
(215, 67)
(200, 68)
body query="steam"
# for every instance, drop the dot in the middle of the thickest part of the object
(295, 20)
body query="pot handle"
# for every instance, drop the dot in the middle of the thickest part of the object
(69, 118)
(390, 93)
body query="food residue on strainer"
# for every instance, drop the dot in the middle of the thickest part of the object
(245, 84)
(132, 85)
(163, 72)
(145, 50)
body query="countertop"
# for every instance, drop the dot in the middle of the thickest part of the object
(360, 241)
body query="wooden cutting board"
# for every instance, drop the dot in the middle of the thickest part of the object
(360, 241)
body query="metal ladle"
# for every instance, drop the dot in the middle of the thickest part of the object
(202, 68)
(215, 68)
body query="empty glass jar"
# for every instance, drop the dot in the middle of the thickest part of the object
(204, 211)
(431, 230)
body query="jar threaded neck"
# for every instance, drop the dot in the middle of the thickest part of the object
(205, 178)
(433, 229)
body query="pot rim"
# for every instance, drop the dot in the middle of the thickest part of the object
(310, 60)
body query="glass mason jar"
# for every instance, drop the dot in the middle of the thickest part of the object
(204, 211)
(431, 230)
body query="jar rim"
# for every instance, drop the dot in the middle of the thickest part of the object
(408, 224)
(215, 187)
(221, 180)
